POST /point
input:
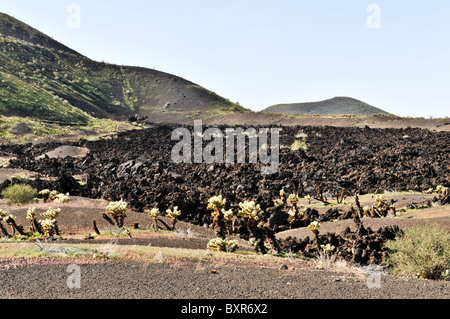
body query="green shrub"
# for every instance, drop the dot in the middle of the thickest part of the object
(422, 252)
(19, 194)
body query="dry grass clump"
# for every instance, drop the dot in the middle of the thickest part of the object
(326, 261)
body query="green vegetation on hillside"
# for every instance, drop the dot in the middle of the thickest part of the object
(43, 79)
(36, 129)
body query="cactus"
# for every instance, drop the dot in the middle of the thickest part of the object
(250, 211)
(382, 207)
(61, 198)
(51, 213)
(154, 214)
(216, 203)
(54, 196)
(173, 215)
(360, 208)
(3, 214)
(283, 196)
(315, 226)
(293, 199)
(221, 244)
(328, 248)
(94, 226)
(49, 224)
(442, 190)
(308, 199)
(340, 197)
(11, 220)
(117, 210)
(45, 194)
(221, 217)
(31, 214)
(294, 213)
(259, 231)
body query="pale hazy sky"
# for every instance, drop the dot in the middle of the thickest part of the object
(393, 54)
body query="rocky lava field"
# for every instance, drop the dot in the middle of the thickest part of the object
(136, 166)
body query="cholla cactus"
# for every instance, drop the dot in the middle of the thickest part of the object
(117, 210)
(221, 216)
(297, 145)
(441, 190)
(315, 226)
(295, 214)
(250, 211)
(308, 199)
(48, 226)
(216, 203)
(10, 220)
(328, 248)
(293, 199)
(31, 214)
(51, 213)
(3, 214)
(382, 207)
(227, 215)
(61, 198)
(31, 217)
(292, 215)
(53, 195)
(283, 197)
(367, 211)
(45, 193)
(259, 230)
(220, 244)
(155, 213)
(340, 197)
(173, 215)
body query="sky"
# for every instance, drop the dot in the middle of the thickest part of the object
(394, 55)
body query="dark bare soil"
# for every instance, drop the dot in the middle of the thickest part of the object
(195, 281)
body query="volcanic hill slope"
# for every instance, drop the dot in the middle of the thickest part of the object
(42, 78)
(334, 106)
